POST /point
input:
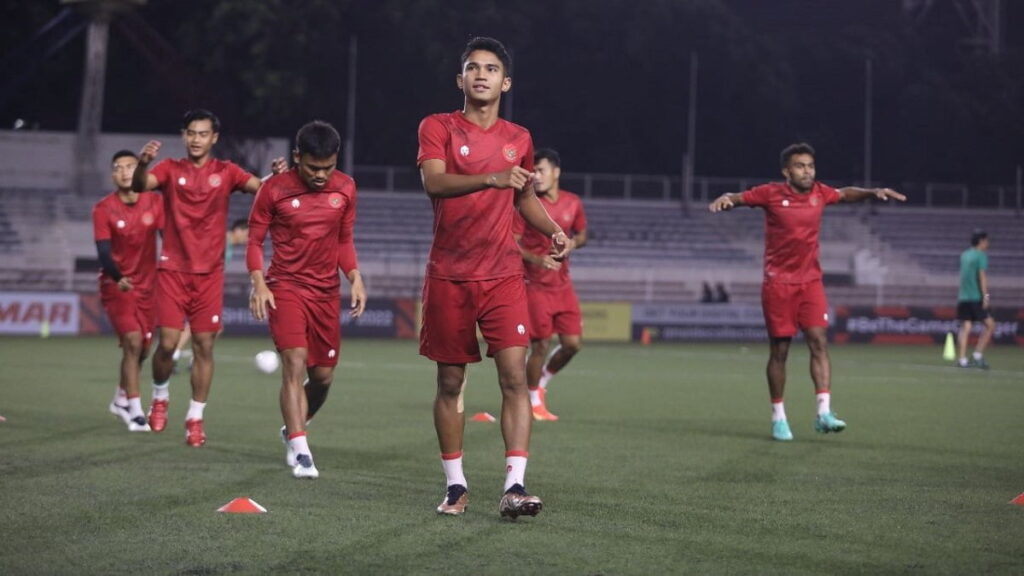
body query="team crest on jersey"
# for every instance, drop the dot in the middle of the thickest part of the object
(814, 200)
(147, 218)
(510, 152)
(120, 224)
(181, 181)
(785, 202)
(214, 180)
(464, 150)
(334, 200)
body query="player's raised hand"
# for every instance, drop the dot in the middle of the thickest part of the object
(149, 151)
(278, 165)
(259, 299)
(358, 296)
(885, 193)
(723, 202)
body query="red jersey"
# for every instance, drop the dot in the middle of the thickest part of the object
(196, 204)
(568, 213)
(310, 232)
(792, 224)
(473, 233)
(132, 230)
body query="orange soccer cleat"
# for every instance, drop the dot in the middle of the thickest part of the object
(158, 415)
(194, 435)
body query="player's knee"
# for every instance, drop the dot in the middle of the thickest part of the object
(449, 384)
(512, 381)
(540, 348)
(572, 347)
(132, 345)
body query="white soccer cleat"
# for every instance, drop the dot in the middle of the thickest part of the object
(138, 424)
(289, 454)
(304, 467)
(120, 411)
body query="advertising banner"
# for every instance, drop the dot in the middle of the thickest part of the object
(41, 313)
(382, 318)
(917, 325)
(606, 321)
(698, 322)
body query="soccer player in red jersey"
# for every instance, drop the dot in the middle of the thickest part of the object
(793, 295)
(309, 211)
(190, 281)
(125, 226)
(476, 169)
(554, 307)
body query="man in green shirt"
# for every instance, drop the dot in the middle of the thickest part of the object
(973, 301)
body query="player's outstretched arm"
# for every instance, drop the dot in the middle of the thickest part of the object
(142, 180)
(438, 184)
(253, 183)
(726, 202)
(854, 194)
(535, 215)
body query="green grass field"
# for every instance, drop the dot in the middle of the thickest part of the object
(661, 464)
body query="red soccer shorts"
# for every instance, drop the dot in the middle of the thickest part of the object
(132, 311)
(199, 298)
(789, 307)
(302, 322)
(452, 310)
(554, 311)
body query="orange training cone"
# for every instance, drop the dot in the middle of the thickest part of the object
(1019, 500)
(242, 506)
(645, 336)
(483, 417)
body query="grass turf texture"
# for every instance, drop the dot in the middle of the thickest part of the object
(662, 463)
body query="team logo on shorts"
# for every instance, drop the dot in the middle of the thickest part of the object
(181, 181)
(121, 224)
(295, 203)
(216, 318)
(334, 200)
(332, 353)
(825, 315)
(464, 150)
(785, 202)
(521, 329)
(147, 218)
(510, 152)
(213, 180)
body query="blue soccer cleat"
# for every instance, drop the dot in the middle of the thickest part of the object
(781, 431)
(828, 422)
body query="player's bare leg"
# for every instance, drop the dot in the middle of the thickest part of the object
(776, 371)
(570, 346)
(821, 374)
(536, 374)
(317, 385)
(202, 376)
(163, 364)
(516, 421)
(961, 342)
(132, 354)
(450, 424)
(294, 410)
(983, 342)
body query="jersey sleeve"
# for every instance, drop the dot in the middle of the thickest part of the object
(238, 177)
(580, 222)
(830, 194)
(100, 225)
(433, 138)
(260, 215)
(162, 172)
(347, 259)
(982, 260)
(758, 195)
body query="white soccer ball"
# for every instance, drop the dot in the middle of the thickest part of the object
(267, 361)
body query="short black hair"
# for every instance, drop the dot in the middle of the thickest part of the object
(794, 149)
(491, 45)
(549, 154)
(123, 154)
(200, 114)
(240, 223)
(977, 236)
(318, 139)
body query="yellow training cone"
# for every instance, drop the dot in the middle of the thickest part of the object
(949, 350)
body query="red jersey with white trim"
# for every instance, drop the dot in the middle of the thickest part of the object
(792, 225)
(473, 233)
(132, 230)
(196, 205)
(568, 213)
(310, 232)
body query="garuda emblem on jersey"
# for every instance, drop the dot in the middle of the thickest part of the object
(214, 180)
(334, 200)
(147, 218)
(814, 200)
(510, 152)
